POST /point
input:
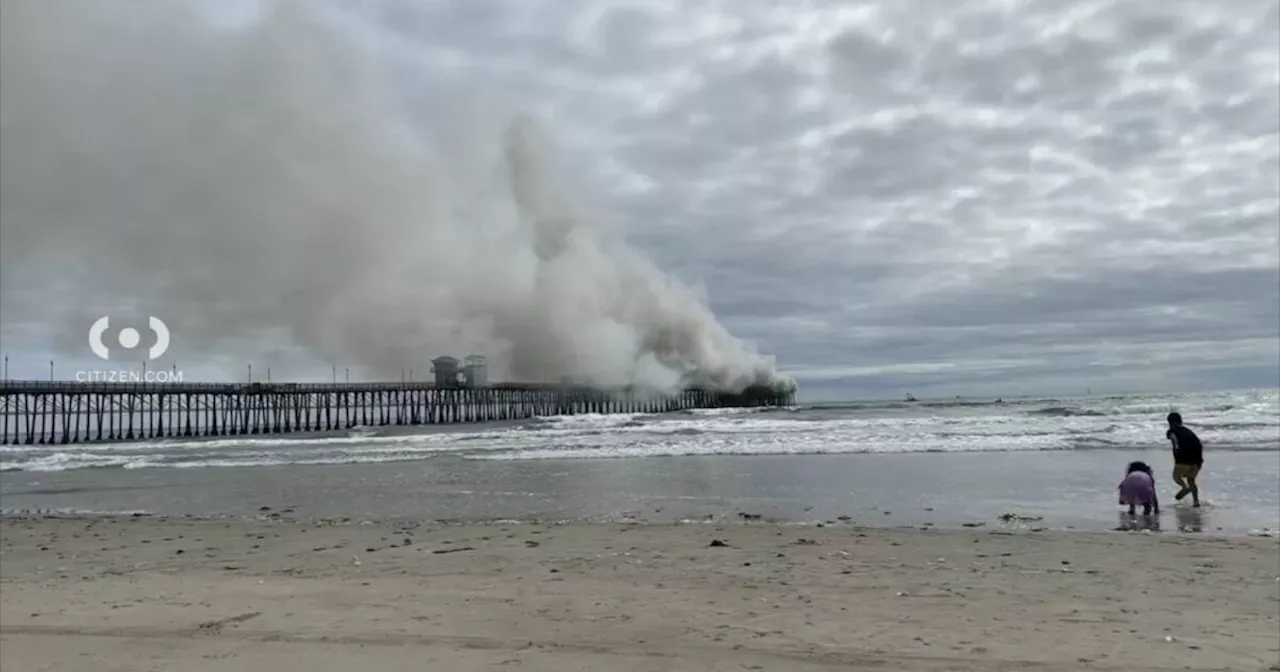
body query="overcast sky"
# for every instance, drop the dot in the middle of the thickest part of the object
(987, 197)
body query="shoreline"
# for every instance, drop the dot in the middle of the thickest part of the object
(1066, 490)
(144, 592)
(1006, 524)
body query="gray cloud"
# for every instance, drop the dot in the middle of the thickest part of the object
(958, 196)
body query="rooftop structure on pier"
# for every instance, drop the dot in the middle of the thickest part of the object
(470, 372)
(445, 369)
(475, 371)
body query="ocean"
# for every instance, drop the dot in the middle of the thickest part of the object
(936, 462)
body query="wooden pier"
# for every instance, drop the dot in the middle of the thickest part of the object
(55, 412)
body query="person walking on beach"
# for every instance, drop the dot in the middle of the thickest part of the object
(1188, 458)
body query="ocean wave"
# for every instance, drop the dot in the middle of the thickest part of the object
(1160, 410)
(1157, 412)
(704, 445)
(900, 405)
(633, 452)
(1236, 425)
(719, 412)
(1065, 412)
(279, 441)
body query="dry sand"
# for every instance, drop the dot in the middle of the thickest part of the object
(173, 595)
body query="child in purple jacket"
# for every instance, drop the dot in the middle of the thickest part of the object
(1139, 489)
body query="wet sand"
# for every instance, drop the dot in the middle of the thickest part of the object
(145, 593)
(1066, 489)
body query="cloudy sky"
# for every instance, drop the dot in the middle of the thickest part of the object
(939, 197)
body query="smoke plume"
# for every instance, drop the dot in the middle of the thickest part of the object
(262, 190)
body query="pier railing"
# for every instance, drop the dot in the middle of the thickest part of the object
(61, 412)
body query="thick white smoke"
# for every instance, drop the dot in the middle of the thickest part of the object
(259, 190)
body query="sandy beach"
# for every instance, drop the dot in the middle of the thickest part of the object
(146, 593)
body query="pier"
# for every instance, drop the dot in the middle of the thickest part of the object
(56, 412)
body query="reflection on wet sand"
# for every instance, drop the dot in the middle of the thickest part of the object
(1190, 519)
(1137, 522)
(1186, 518)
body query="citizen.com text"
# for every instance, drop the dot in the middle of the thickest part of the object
(122, 376)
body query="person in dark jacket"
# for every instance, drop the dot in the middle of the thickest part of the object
(1188, 458)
